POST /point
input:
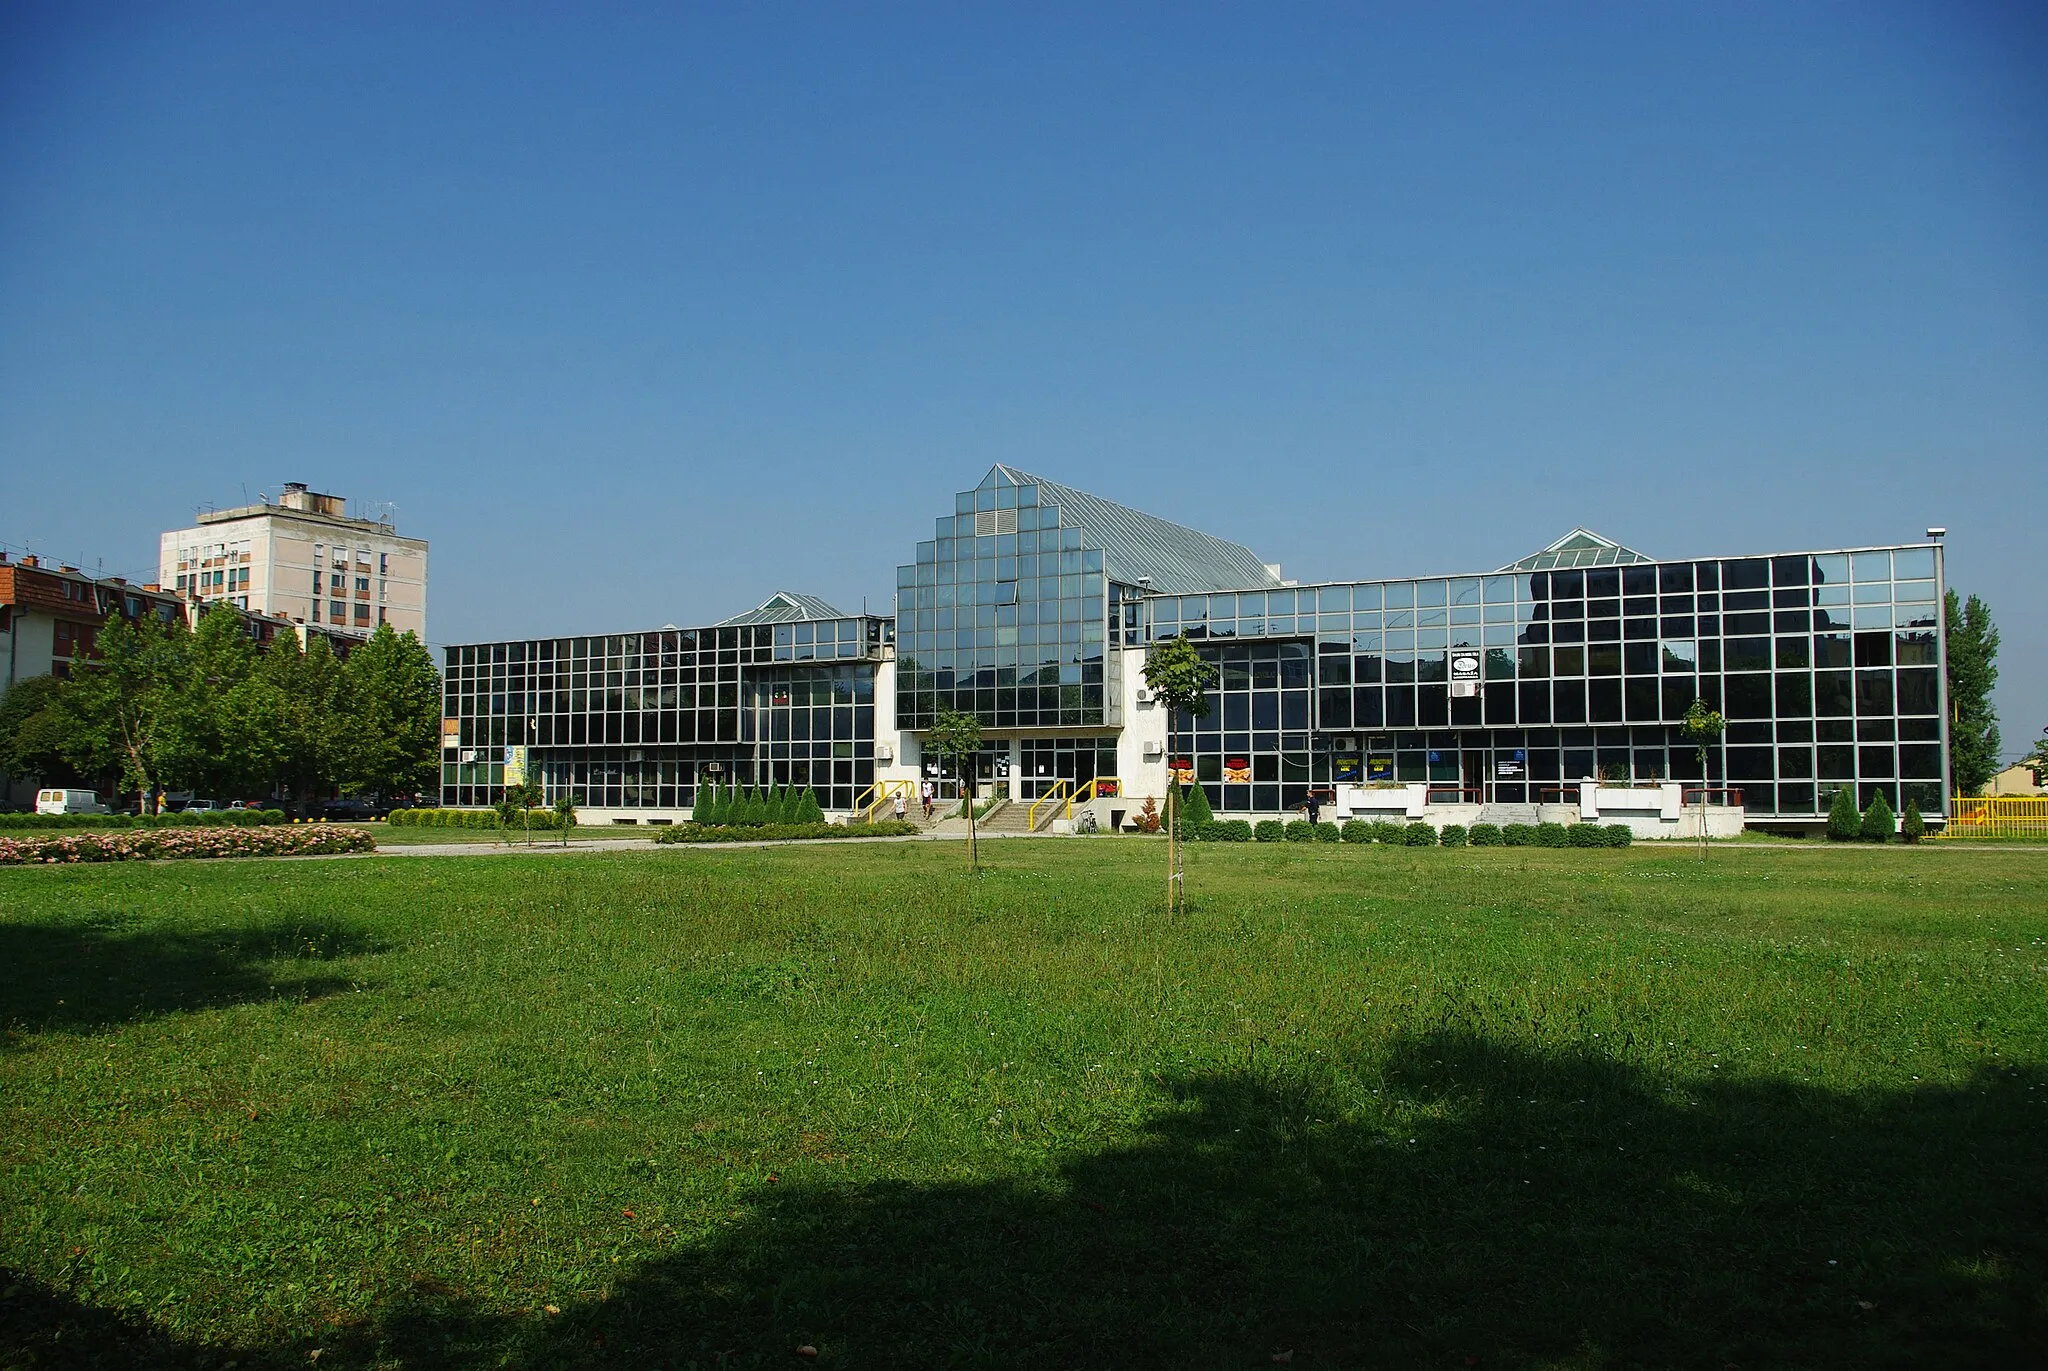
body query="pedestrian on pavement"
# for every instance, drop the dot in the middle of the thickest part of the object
(902, 806)
(924, 792)
(1315, 807)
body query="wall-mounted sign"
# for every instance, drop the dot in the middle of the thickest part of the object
(1236, 771)
(1183, 771)
(1350, 766)
(515, 764)
(1464, 666)
(1379, 768)
(1507, 769)
(451, 729)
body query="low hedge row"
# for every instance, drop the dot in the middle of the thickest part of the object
(215, 818)
(539, 820)
(755, 833)
(172, 843)
(1410, 835)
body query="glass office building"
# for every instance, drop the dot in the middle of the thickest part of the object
(1578, 661)
(1033, 604)
(781, 695)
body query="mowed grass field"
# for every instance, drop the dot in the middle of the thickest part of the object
(1364, 1106)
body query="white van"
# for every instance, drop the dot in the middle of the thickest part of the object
(69, 802)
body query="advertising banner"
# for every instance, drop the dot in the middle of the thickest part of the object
(1379, 768)
(1350, 766)
(515, 764)
(1237, 771)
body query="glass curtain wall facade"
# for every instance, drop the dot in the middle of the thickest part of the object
(1827, 667)
(635, 720)
(1006, 615)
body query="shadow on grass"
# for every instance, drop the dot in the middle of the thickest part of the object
(79, 977)
(1551, 1212)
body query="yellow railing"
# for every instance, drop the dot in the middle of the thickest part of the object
(1065, 792)
(880, 793)
(1998, 816)
(1062, 792)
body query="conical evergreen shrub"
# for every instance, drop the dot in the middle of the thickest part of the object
(1878, 823)
(784, 807)
(757, 807)
(807, 809)
(1912, 827)
(1844, 823)
(1194, 809)
(700, 807)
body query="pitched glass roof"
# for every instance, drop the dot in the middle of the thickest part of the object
(1580, 547)
(1179, 560)
(785, 607)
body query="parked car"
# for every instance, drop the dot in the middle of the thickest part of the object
(69, 802)
(202, 807)
(352, 809)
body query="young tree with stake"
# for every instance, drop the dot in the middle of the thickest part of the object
(957, 736)
(1703, 724)
(1180, 679)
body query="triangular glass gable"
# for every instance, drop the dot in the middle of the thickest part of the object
(1580, 547)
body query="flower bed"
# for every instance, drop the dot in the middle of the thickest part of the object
(163, 844)
(758, 833)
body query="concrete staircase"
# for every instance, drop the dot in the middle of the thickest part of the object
(1505, 814)
(1010, 818)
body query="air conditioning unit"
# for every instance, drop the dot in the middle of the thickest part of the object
(884, 753)
(1144, 696)
(1154, 749)
(1464, 690)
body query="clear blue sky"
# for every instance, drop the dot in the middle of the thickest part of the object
(640, 316)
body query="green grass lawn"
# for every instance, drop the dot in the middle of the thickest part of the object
(1372, 1106)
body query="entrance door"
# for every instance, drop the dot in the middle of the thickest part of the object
(1477, 783)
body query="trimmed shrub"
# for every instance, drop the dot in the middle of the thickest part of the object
(1878, 823)
(1618, 835)
(1485, 835)
(1300, 831)
(1518, 835)
(1551, 835)
(1418, 834)
(1844, 823)
(807, 809)
(1327, 833)
(1269, 831)
(1912, 828)
(1356, 831)
(735, 833)
(1234, 831)
(1388, 832)
(1584, 835)
(1194, 808)
(700, 806)
(1453, 835)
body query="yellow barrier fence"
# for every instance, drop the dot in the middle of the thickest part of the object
(1998, 816)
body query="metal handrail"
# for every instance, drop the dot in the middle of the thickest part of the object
(1561, 791)
(1690, 794)
(882, 791)
(1429, 795)
(1062, 789)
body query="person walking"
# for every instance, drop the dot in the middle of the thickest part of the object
(924, 792)
(902, 806)
(1315, 807)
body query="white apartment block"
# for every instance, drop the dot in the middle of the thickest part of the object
(305, 559)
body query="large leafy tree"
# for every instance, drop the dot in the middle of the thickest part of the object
(395, 695)
(132, 710)
(34, 729)
(310, 695)
(1972, 672)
